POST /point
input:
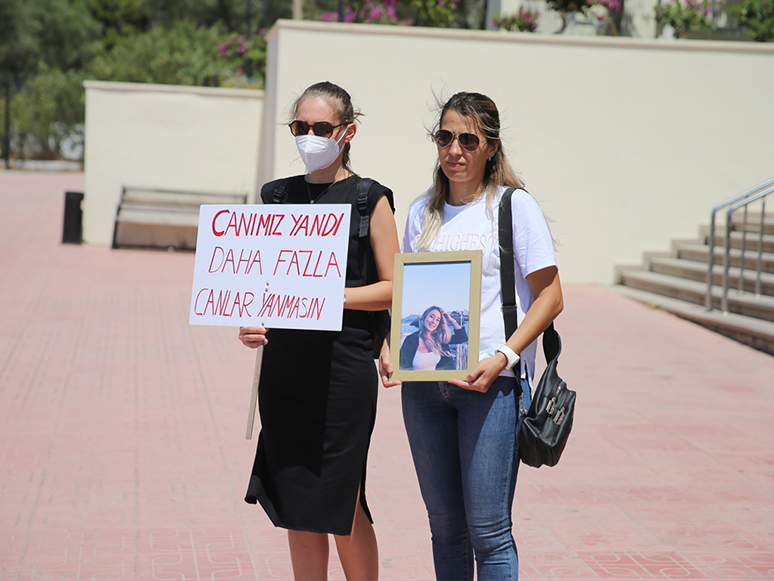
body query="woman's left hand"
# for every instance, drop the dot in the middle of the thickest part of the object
(483, 374)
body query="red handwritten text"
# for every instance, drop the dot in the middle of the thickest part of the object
(291, 307)
(305, 263)
(222, 303)
(242, 224)
(321, 225)
(223, 261)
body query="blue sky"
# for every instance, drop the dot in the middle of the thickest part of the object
(444, 284)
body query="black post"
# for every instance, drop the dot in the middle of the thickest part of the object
(7, 136)
(72, 230)
(341, 10)
(264, 14)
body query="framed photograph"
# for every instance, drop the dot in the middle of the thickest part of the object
(436, 309)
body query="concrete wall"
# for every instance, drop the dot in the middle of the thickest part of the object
(154, 136)
(625, 143)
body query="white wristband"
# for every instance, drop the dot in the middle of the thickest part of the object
(512, 357)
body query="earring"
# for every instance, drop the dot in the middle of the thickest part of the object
(491, 156)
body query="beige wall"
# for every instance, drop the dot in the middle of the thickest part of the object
(155, 136)
(625, 143)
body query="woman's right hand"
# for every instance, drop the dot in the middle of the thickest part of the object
(253, 337)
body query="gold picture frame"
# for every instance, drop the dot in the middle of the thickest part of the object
(426, 293)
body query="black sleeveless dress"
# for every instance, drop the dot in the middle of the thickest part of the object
(317, 396)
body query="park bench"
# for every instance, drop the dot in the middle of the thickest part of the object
(163, 218)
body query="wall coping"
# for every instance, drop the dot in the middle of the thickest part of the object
(153, 88)
(682, 45)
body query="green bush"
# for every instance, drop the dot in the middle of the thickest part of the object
(684, 15)
(179, 55)
(435, 13)
(48, 116)
(757, 16)
(245, 61)
(524, 20)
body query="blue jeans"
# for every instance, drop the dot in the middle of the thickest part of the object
(466, 453)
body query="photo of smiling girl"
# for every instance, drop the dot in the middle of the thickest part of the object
(428, 348)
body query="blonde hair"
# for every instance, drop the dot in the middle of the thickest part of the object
(341, 102)
(498, 171)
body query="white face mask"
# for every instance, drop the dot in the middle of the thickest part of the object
(318, 152)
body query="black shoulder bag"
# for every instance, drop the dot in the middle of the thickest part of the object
(547, 425)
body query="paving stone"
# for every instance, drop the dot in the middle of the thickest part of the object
(123, 456)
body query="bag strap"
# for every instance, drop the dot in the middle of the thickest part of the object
(280, 191)
(552, 343)
(362, 205)
(507, 275)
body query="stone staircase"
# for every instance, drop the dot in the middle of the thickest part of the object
(676, 281)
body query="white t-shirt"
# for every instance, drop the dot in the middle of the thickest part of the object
(473, 227)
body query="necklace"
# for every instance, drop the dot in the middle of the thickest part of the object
(318, 196)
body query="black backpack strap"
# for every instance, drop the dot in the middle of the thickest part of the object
(280, 192)
(362, 205)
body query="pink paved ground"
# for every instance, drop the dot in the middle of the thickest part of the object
(122, 449)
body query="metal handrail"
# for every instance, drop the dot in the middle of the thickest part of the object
(758, 192)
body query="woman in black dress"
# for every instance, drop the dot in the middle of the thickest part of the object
(318, 389)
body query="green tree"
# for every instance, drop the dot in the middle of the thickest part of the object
(19, 49)
(179, 55)
(231, 14)
(48, 47)
(119, 18)
(50, 38)
(69, 36)
(49, 114)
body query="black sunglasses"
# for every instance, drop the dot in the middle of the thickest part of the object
(468, 141)
(321, 128)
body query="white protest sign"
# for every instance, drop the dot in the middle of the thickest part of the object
(277, 265)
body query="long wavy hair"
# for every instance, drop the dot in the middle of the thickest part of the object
(482, 111)
(435, 340)
(341, 102)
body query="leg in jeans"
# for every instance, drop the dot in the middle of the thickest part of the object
(488, 435)
(431, 425)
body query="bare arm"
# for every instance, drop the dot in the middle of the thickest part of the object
(547, 305)
(384, 241)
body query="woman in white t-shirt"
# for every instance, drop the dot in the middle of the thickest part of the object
(464, 434)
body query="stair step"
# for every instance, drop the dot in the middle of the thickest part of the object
(694, 292)
(698, 252)
(698, 272)
(751, 240)
(753, 332)
(753, 221)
